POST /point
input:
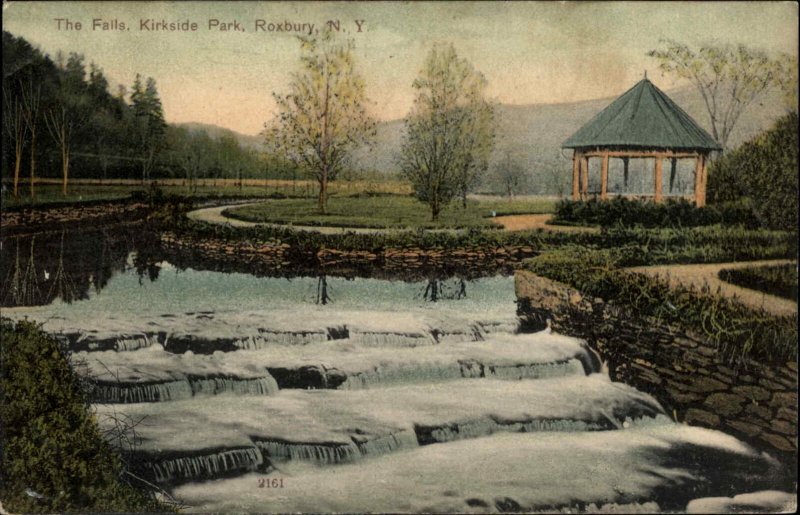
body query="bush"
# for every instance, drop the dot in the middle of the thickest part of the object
(738, 331)
(765, 171)
(621, 211)
(780, 280)
(54, 458)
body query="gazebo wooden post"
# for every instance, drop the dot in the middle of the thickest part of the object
(604, 177)
(625, 162)
(700, 181)
(584, 176)
(673, 170)
(658, 177)
(576, 194)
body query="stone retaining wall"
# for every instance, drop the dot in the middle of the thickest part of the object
(282, 255)
(756, 402)
(31, 219)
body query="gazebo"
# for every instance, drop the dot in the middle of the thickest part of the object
(643, 123)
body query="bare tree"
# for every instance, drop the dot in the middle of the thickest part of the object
(31, 103)
(62, 122)
(15, 127)
(323, 117)
(728, 78)
(510, 174)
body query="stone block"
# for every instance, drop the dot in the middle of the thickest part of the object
(759, 411)
(784, 400)
(705, 384)
(787, 414)
(755, 393)
(699, 417)
(725, 404)
(779, 442)
(782, 426)
(744, 427)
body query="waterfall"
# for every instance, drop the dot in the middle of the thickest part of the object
(385, 444)
(267, 337)
(239, 386)
(205, 466)
(77, 341)
(126, 393)
(321, 453)
(391, 338)
(485, 426)
(569, 367)
(106, 392)
(408, 374)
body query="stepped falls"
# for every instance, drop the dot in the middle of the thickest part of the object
(367, 408)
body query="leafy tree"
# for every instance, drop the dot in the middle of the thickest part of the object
(449, 130)
(323, 118)
(729, 79)
(763, 170)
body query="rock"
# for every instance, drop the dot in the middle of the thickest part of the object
(704, 384)
(755, 393)
(726, 404)
(744, 427)
(784, 400)
(759, 411)
(779, 442)
(782, 426)
(696, 416)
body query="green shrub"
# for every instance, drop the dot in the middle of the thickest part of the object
(780, 280)
(54, 458)
(737, 330)
(621, 211)
(765, 171)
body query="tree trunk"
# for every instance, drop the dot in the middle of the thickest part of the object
(33, 165)
(464, 199)
(64, 170)
(323, 193)
(435, 210)
(17, 165)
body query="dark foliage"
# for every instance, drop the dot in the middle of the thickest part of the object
(54, 458)
(780, 280)
(763, 170)
(624, 212)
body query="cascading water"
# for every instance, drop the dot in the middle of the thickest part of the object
(205, 466)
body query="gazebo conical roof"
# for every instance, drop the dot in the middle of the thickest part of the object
(643, 117)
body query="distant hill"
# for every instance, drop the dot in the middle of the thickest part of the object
(215, 132)
(534, 133)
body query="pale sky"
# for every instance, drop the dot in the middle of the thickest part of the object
(530, 52)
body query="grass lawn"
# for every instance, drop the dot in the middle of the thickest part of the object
(384, 211)
(780, 280)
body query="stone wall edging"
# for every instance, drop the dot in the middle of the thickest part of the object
(756, 402)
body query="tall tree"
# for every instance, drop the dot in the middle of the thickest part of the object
(15, 127)
(69, 111)
(729, 79)
(150, 125)
(449, 130)
(31, 106)
(323, 118)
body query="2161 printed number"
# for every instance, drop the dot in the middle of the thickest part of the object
(267, 482)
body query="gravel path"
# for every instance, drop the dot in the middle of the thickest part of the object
(527, 222)
(699, 275)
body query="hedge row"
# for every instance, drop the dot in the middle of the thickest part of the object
(780, 280)
(621, 211)
(639, 246)
(738, 331)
